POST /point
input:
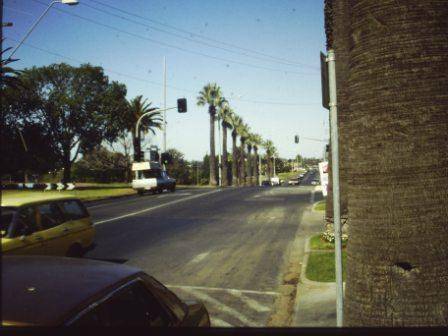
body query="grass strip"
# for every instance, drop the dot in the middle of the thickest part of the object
(320, 206)
(85, 195)
(321, 266)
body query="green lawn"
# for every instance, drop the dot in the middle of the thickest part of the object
(321, 267)
(86, 195)
(286, 176)
(320, 206)
(317, 243)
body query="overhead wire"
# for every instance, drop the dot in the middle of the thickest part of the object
(202, 36)
(173, 46)
(119, 73)
(186, 38)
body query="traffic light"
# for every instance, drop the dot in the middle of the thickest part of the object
(166, 158)
(296, 139)
(182, 105)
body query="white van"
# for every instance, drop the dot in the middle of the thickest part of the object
(149, 176)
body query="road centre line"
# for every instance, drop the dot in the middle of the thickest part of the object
(230, 290)
(156, 207)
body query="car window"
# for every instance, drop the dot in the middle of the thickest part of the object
(134, 306)
(7, 216)
(50, 215)
(176, 306)
(73, 210)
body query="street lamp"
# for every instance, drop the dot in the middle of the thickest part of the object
(65, 2)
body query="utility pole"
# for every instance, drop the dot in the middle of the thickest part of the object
(335, 170)
(274, 165)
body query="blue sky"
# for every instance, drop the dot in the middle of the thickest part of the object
(247, 47)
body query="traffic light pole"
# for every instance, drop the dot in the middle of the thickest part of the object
(137, 125)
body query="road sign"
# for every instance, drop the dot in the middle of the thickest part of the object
(324, 81)
(70, 186)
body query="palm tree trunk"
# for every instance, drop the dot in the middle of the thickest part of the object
(249, 165)
(242, 163)
(397, 254)
(212, 176)
(225, 177)
(234, 160)
(257, 168)
(340, 42)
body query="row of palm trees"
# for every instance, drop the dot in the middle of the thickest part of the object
(245, 167)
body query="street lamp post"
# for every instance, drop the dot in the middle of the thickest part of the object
(65, 2)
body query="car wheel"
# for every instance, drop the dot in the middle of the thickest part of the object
(75, 251)
(140, 192)
(173, 188)
(160, 190)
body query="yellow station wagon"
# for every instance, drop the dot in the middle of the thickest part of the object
(56, 225)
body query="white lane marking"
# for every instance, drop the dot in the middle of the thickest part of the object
(199, 257)
(216, 322)
(253, 304)
(101, 205)
(156, 207)
(223, 308)
(230, 290)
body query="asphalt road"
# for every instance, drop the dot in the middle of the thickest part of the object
(226, 248)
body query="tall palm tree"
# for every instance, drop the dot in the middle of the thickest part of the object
(225, 113)
(210, 95)
(235, 123)
(256, 143)
(137, 107)
(243, 132)
(397, 264)
(250, 165)
(270, 152)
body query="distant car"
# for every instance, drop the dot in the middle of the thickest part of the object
(58, 291)
(266, 183)
(294, 181)
(275, 181)
(54, 225)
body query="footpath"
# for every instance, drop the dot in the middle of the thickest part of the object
(315, 303)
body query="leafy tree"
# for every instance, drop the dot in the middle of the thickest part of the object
(101, 165)
(75, 107)
(179, 168)
(210, 95)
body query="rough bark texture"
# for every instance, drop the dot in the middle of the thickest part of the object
(212, 175)
(397, 255)
(234, 160)
(341, 44)
(225, 175)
